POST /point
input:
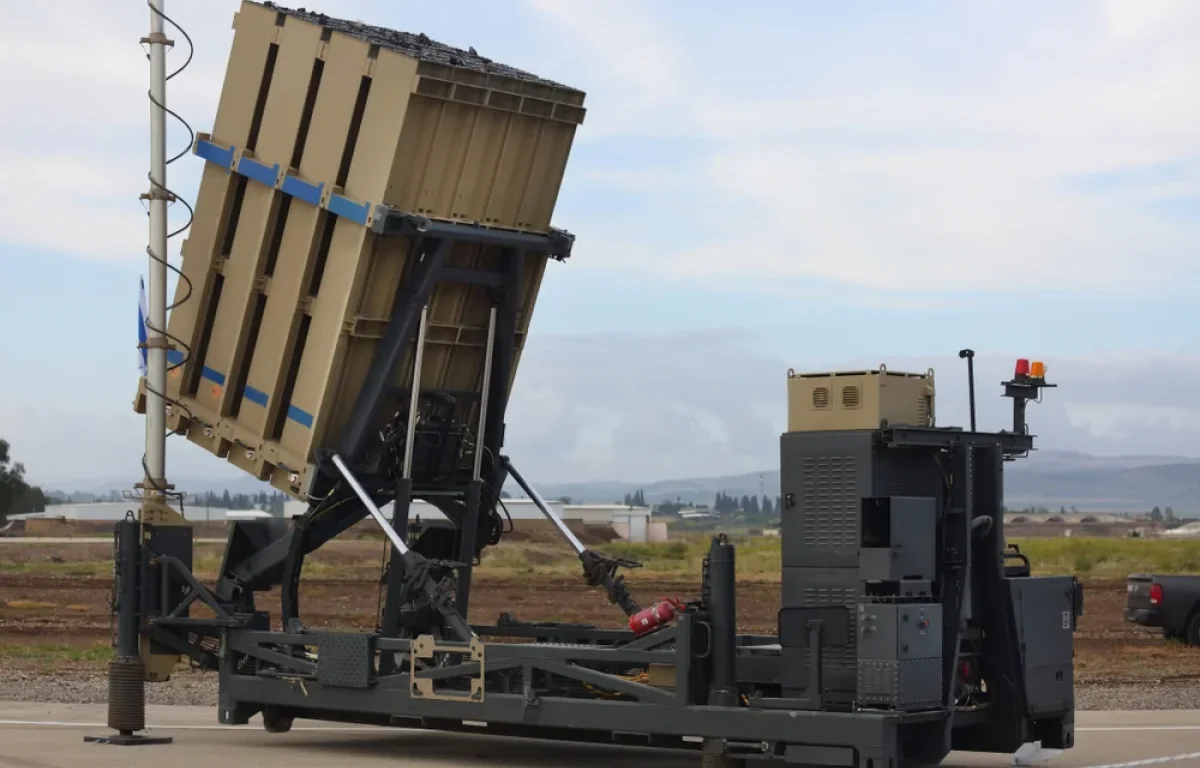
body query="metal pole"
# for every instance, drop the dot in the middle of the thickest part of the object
(470, 519)
(970, 357)
(483, 393)
(388, 531)
(458, 625)
(411, 433)
(126, 671)
(558, 523)
(156, 356)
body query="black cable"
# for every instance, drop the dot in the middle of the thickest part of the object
(171, 196)
(503, 506)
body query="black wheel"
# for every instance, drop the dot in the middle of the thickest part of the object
(1192, 633)
(274, 722)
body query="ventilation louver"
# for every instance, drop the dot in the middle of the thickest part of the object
(820, 397)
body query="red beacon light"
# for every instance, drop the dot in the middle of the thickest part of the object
(1022, 370)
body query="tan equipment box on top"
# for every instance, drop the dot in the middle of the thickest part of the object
(859, 400)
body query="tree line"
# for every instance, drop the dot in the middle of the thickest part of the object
(271, 502)
(723, 504)
(17, 497)
(1157, 514)
(750, 505)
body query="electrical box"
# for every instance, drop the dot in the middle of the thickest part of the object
(899, 631)
(1044, 611)
(899, 539)
(870, 399)
(900, 655)
(289, 277)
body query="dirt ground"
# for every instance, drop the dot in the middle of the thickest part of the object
(54, 609)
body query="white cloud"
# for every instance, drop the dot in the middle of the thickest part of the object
(641, 78)
(640, 407)
(869, 177)
(839, 169)
(76, 121)
(649, 407)
(859, 174)
(1147, 21)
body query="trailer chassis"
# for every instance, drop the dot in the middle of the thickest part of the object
(695, 685)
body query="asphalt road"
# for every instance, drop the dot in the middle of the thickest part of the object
(51, 736)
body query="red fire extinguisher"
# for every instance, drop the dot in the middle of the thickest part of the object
(649, 619)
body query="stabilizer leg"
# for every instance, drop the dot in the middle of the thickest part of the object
(127, 672)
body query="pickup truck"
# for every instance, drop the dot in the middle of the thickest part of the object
(1171, 603)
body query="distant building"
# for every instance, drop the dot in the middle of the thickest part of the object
(1188, 531)
(518, 509)
(106, 511)
(632, 523)
(248, 514)
(697, 514)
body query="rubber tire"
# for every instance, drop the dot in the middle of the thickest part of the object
(273, 722)
(1192, 633)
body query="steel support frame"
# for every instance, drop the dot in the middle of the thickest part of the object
(461, 504)
(1009, 726)
(660, 717)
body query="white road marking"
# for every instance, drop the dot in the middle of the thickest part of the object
(1141, 728)
(1151, 761)
(376, 729)
(151, 727)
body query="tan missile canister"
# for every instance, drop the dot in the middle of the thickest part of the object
(324, 128)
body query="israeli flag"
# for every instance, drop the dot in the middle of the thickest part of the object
(142, 351)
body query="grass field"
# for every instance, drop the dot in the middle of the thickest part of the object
(55, 609)
(757, 558)
(1111, 556)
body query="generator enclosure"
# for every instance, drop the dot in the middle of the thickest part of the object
(899, 592)
(867, 399)
(335, 147)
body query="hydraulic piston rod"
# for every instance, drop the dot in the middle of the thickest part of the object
(412, 560)
(388, 531)
(571, 538)
(599, 569)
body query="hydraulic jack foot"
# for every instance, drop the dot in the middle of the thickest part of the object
(126, 739)
(127, 700)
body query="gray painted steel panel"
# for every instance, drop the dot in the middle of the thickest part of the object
(1043, 608)
(892, 632)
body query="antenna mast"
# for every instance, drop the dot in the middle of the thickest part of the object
(155, 483)
(127, 671)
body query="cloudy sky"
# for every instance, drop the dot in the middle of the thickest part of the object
(796, 185)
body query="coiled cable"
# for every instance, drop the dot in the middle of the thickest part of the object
(171, 196)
